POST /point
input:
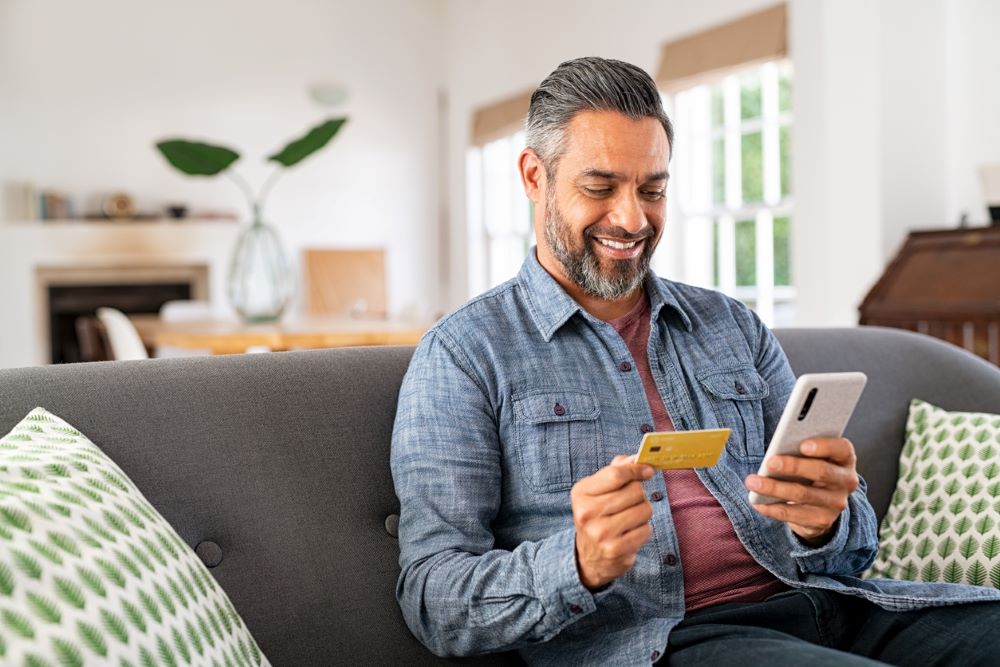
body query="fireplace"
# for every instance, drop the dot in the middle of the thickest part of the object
(72, 294)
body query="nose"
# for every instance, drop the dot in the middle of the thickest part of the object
(627, 214)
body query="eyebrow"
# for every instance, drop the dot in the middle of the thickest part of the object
(615, 176)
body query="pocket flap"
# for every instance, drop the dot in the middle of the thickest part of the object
(561, 406)
(734, 384)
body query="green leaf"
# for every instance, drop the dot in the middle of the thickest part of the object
(69, 592)
(6, 580)
(64, 542)
(92, 580)
(182, 647)
(27, 564)
(165, 600)
(113, 574)
(995, 575)
(17, 624)
(970, 470)
(963, 525)
(115, 626)
(132, 516)
(195, 158)
(976, 574)
(166, 655)
(116, 522)
(932, 486)
(142, 557)
(952, 487)
(925, 546)
(134, 615)
(949, 468)
(903, 549)
(93, 638)
(146, 658)
(946, 547)
(99, 530)
(969, 546)
(929, 471)
(32, 660)
(178, 593)
(211, 642)
(991, 471)
(67, 653)
(315, 139)
(978, 505)
(920, 526)
(47, 552)
(966, 451)
(991, 546)
(215, 624)
(953, 572)
(128, 564)
(193, 637)
(227, 623)
(984, 524)
(150, 604)
(15, 518)
(43, 608)
(945, 452)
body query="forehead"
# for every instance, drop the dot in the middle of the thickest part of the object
(611, 141)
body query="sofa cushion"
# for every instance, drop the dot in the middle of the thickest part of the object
(944, 520)
(90, 571)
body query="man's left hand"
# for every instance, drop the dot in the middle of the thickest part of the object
(810, 510)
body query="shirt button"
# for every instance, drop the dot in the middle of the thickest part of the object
(625, 367)
(645, 428)
(654, 656)
(740, 389)
(656, 496)
(576, 609)
(559, 410)
(670, 560)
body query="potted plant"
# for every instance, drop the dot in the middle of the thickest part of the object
(261, 283)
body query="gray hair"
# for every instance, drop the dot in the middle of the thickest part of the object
(589, 84)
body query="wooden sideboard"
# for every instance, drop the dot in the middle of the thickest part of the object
(945, 284)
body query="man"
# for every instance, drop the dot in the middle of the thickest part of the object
(523, 523)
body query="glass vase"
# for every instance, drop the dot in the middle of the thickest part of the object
(260, 277)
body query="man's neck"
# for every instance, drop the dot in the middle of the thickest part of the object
(602, 309)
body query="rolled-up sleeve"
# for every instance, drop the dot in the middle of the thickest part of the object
(458, 593)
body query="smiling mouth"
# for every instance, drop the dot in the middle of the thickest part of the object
(619, 245)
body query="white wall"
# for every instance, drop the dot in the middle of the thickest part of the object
(973, 99)
(86, 88)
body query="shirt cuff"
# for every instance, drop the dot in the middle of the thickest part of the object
(565, 599)
(816, 560)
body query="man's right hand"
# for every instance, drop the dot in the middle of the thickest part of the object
(611, 515)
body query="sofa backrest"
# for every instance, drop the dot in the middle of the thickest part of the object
(282, 461)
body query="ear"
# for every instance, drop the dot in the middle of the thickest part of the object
(532, 171)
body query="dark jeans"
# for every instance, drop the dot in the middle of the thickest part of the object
(818, 628)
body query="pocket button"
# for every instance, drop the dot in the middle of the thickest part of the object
(558, 410)
(740, 389)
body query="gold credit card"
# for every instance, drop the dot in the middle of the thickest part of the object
(670, 450)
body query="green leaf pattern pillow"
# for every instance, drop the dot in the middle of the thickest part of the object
(944, 520)
(90, 573)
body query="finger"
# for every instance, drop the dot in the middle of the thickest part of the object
(838, 450)
(604, 531)
(613, 477)
(815, 521)
(819, 471)
(622, 459)
(833, 500)
(630, 495)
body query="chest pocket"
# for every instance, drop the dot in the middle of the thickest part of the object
(737, 395)
(558, 437)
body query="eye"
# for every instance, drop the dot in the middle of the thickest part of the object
(653, 195)
(597, 192)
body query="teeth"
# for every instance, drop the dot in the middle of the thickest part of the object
(617, 245)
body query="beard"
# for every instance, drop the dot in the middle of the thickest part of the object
(583, 266)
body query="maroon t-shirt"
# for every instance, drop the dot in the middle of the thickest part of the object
(717, 568)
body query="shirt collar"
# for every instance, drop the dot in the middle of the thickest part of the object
(551, 307)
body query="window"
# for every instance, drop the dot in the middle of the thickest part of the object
(731, 187)
(500, 220)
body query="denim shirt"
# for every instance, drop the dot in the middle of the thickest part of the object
(520, 393)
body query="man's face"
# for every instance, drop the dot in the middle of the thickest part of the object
(606, 205)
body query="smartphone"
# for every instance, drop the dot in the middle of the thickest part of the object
(820, 406)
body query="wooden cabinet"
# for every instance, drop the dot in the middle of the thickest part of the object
(945, 284)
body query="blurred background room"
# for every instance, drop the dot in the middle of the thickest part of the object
(813, 137)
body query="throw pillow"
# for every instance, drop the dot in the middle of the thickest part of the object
(944, 520)
(90, 573)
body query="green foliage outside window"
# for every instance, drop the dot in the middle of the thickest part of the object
(782, 252)
(746, 253)
(752, 157)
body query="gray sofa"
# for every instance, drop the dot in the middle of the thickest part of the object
(275, 466)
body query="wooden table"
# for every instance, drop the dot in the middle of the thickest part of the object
(235, 337)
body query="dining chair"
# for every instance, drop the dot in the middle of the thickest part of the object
(345, 282)
(123, 338)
